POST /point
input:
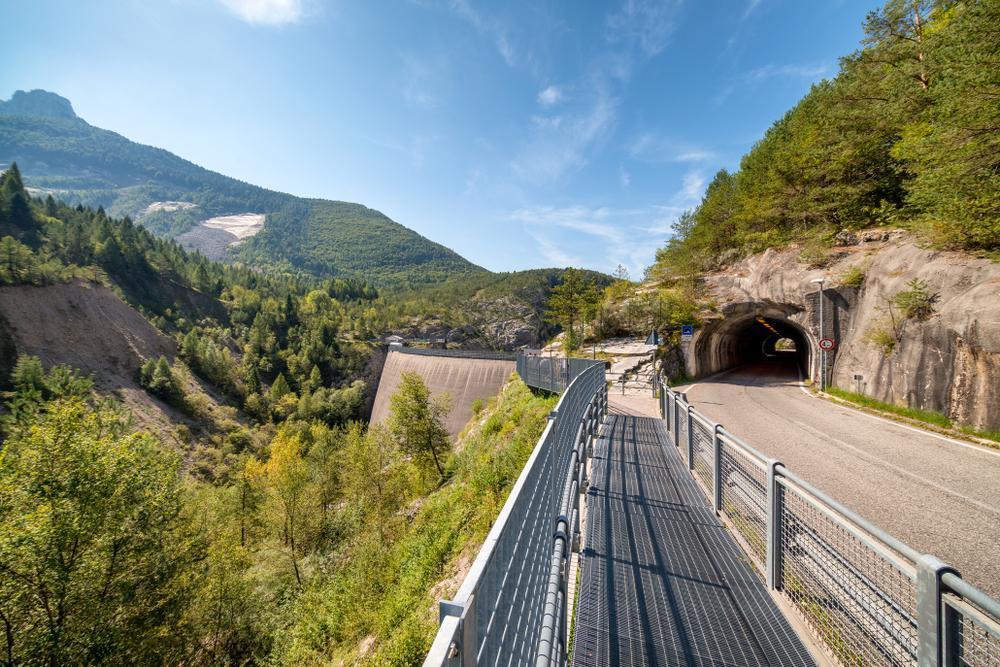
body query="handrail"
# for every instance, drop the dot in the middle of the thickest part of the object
(513, 601)
(860, 609)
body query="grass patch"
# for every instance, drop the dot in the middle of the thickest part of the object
(926, 416)
(935, 418)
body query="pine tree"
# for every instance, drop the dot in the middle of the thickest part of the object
(279, 388)
(417, 421)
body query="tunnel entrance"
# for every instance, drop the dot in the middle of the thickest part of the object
(752, 334)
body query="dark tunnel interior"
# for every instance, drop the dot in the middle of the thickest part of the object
(752, 339)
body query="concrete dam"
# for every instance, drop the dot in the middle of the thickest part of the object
(465, 375)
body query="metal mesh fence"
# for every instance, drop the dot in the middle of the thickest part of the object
(682, 430)
(858, 601)
(744, 499)
(501, 601)
(978, 636)
(855, 585)
(552, 373)
(703, 448)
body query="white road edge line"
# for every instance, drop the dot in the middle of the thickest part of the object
(983, 449)
(968, 445)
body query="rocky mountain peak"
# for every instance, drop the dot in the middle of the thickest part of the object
(37, 103)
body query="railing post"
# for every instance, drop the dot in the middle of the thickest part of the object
(930, 611)
(690, 437)
(717, 468)
(950, 636)
(677, 422)
(775, 505)
(463, 649)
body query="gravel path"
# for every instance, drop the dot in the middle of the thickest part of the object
(938, 495)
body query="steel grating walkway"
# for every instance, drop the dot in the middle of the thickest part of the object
(663, 581)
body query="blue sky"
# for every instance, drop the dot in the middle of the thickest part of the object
(521, 134)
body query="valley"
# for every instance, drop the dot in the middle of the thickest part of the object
(243, 426)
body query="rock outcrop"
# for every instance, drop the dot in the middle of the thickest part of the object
(948, 363)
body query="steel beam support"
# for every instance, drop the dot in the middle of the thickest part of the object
(931, 625)
(775, 503)
(717, 468)
(462, 652)
(690, 436)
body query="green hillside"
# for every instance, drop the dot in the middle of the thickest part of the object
(61, 154)
(906, 135)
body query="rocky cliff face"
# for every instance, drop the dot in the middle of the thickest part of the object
(503, 323)
(949, 363)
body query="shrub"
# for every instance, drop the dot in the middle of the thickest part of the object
(853, 277)
(883, 335)
(917, 302)
(815, 255)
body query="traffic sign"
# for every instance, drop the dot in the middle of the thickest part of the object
(687, 331)
(827, 344)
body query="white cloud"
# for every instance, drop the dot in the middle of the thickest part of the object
(751, 6)
(647, 23)
(267, 12)
(562, 144)
(492, 29)
(787, 71)
(755, 77)
(691, 189)
(686, 198)
(550, 96)
(598, 238)
(422, 79)
(651, 147)
(624, 177)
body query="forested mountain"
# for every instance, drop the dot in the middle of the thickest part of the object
(907, 134)
(61, 154)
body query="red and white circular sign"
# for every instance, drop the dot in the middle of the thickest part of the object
(827, 344)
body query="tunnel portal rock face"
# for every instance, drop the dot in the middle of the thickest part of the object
(947, 363)
(464, 378)
(749, 331)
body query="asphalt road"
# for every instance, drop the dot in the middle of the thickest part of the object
(940, 496)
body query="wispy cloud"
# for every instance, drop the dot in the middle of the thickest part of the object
(550, 96)
(624, 177)
(686, 198)
(267, 12)
(755, 77)
(603, 237)
(751, 6)
(421, 81)
(648, 23)
(413, 148)
(486, 26)
(653, 147)
(560, 144)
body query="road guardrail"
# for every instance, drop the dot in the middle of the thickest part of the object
(867, 597)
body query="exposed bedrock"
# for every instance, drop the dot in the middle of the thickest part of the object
(948, 363)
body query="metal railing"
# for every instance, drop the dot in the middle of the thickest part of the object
(551, 373)
(512, 606)
(496, 355)
(867, 597)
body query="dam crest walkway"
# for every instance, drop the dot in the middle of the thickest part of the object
(662, 580)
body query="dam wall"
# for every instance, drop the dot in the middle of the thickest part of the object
(465, 375)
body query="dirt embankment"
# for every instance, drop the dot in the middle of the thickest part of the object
(88, 327)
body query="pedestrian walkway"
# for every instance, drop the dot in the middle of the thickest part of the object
(663, 582)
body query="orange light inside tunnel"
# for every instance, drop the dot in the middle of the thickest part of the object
(769, 327)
